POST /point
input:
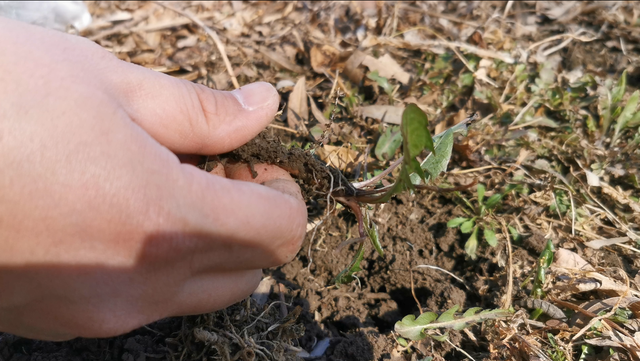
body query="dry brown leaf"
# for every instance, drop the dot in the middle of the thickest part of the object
(280, 60)
(297, 108)
(387, 67)
(386, 113)
(567, 259)
(337, 157)
(322, 57)
(352, 67)
(317, 113)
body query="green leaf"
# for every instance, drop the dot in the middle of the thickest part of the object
(382, 82)
(388, 143)
(481, 190)
(472, 244)
(437, 162)
(456, 222)
(618, 91)
(467, 226)
(402, 342)
(493, 201)
(414, 329)
(346, 276)
(490, 237)
(536, 313)
(546, 257)
(627, 114)
(515, 236)
(472, 311)
(415, 131)
(448, 315)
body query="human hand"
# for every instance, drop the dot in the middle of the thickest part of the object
(102, 229)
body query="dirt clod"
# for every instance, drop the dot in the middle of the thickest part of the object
(315, 178)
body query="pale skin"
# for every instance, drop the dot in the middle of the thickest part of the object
(102, 228)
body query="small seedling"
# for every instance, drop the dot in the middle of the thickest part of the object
(413, 175)
(610, 108)
(322, 182)
(544, 262)
(479, 218)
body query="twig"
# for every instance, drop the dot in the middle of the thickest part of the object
(212, 34)
(443, 270)
(507, 8)
(506, 87)
(507, 300)
(461, 350)
(283, 128)
(413, 292)
(532, 101)
(375, 179)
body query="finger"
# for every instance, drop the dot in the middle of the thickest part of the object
(190, 118)
(236, 225)
(269, 175)
(209, 293)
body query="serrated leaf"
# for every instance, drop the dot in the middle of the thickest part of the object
(626, 115)
(472, 311)
(412, 328)
(388, 143)
(481, 190)
(415, 131)
(490, 237)
(472, 244)
(467, 227)
(456, 222)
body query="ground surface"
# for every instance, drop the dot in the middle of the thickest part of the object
(543, 78)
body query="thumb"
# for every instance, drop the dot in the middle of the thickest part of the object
(189, 118)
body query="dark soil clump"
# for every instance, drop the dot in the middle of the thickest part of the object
(316, 179)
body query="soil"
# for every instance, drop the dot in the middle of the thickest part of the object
(315, 178)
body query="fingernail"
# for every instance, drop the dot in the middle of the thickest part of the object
(256, 95)
(285, 186)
